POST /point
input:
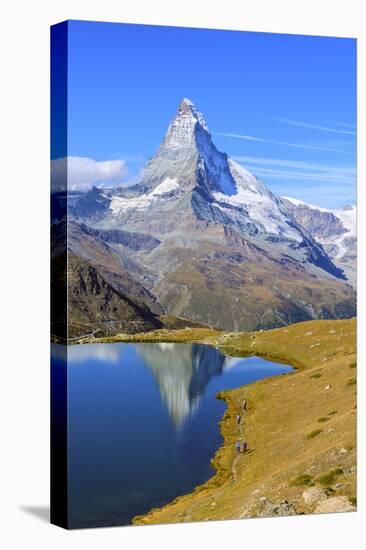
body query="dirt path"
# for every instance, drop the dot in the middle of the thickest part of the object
(241, 436)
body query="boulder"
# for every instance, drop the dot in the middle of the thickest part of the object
(283, 508)
(335, 504)
(314, 494)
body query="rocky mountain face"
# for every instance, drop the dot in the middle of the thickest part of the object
(200, 237)
(96, 306)
(334, 229)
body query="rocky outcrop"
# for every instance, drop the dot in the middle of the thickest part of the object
(113, 261)
(335, 504)
(95, 306)
(321, 223)
(134, 241)
(313, 495)
(271, 509)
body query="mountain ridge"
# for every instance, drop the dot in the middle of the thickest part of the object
(334, 229)
(228, 253)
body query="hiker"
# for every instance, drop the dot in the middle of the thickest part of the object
(245, 405)
(244, 447)
(238, 418)
(238, 446)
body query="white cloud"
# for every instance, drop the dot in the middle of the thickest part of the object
(82, 173)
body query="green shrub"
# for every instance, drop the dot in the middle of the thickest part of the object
(329, 478)
(313, 434)
(316, 375)
(351, 382)
(323, 419)
(302, 480)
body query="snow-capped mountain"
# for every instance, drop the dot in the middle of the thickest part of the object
(189, 173)
(230, 253)
(189, 162)
(334, 229)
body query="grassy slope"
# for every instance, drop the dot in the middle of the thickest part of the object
(205, 335)
(282, 423)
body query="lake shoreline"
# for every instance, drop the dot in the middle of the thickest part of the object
(322, 354)
(203, 502)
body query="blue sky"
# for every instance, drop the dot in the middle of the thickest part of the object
(284, 106)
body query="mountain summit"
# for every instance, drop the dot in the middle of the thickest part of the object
(182, 128)
(225, 250)
(188, 155)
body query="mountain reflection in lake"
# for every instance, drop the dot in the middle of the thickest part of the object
(182, 373)
(143, 423)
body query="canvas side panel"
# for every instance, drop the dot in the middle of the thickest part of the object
(59, 71)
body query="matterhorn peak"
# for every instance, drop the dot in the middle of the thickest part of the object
(183, 128)
(188, 109)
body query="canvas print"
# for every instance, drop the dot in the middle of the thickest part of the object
(203, 199)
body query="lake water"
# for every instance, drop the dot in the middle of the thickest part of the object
(143, 423)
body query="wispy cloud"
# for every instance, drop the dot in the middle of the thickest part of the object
(284, 143)
(309, 126)
(285, 163)
(324, 195)
(82, 173)
(345, 125)
(332, 176)
(284, 169)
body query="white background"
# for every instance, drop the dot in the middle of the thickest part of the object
(24, 305)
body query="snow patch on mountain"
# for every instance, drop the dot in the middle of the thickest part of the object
(261, 206)
(166, 186)
(348, 216)
(144, 201)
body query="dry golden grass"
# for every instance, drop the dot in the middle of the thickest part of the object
(290, 449)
